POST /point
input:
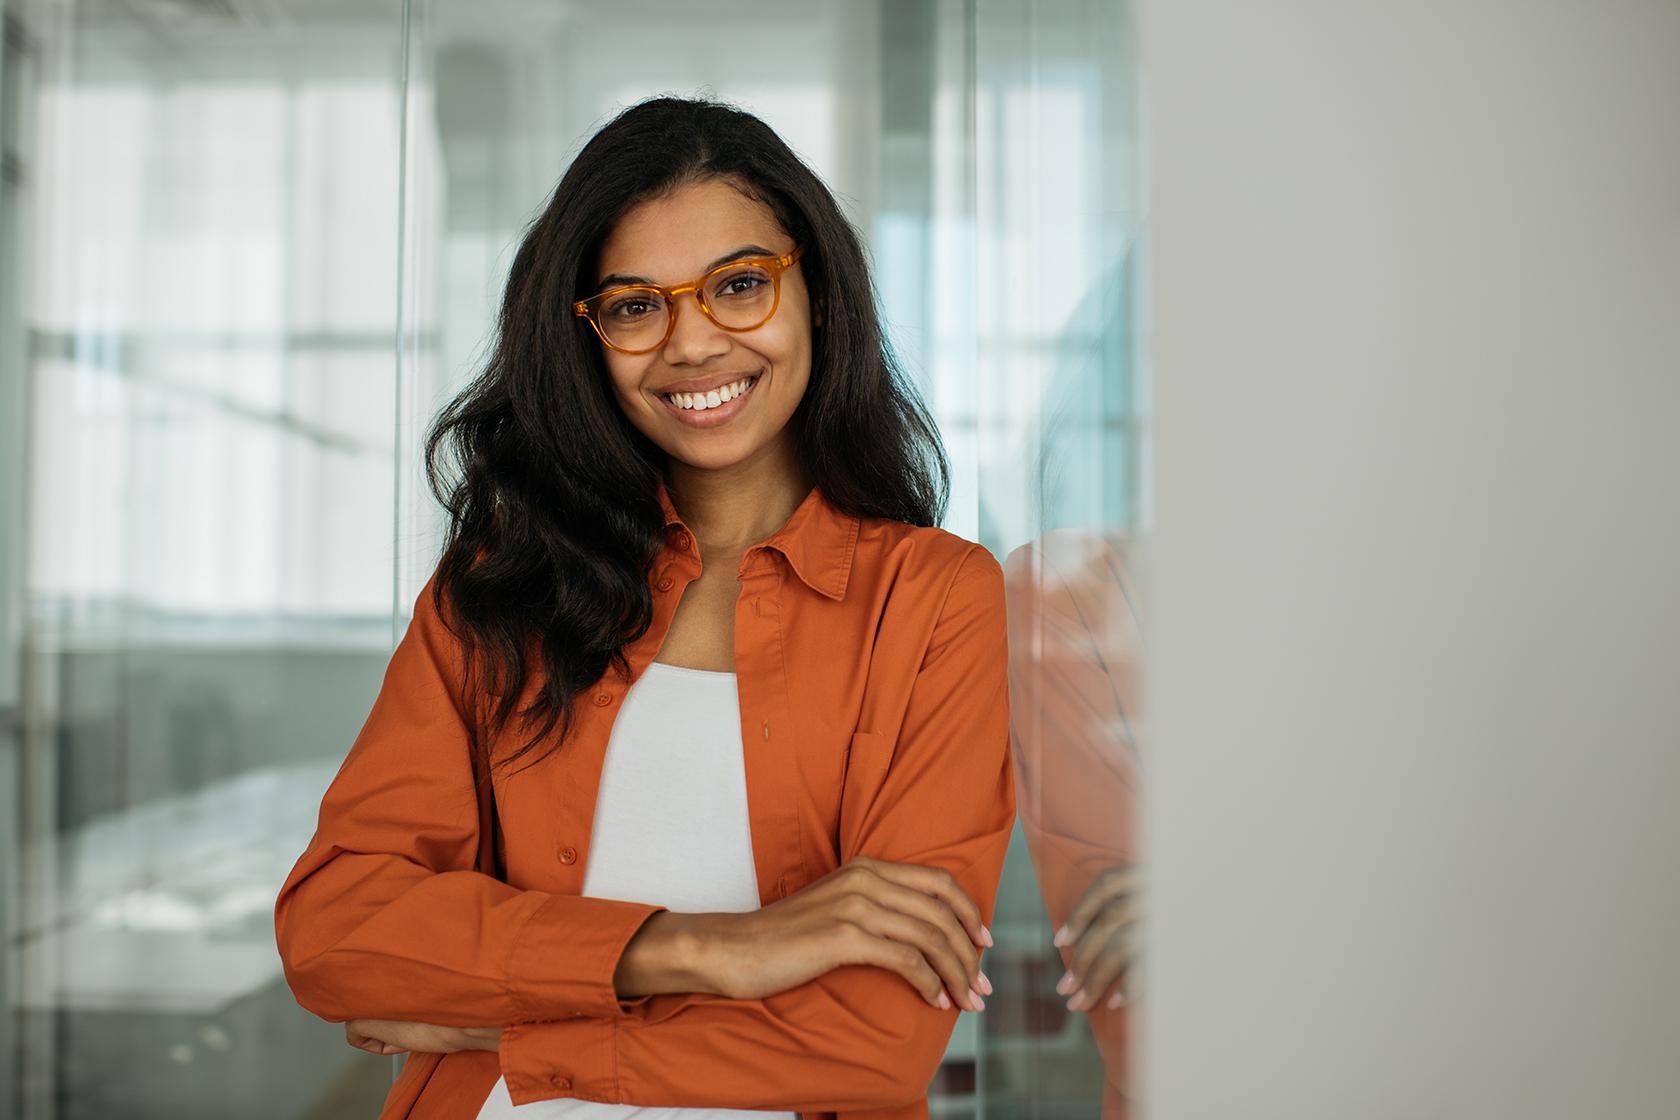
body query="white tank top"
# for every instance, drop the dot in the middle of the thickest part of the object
(670, 828)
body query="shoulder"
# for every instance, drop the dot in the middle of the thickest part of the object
(931, 561)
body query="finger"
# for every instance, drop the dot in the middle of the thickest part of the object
(1099, 938)
(863, 947)
(1104, 889)
(1114, 884)
(940, 884)
(933, 910)
(394, 1033)
(1133, 981)
(423, 1038)
(1080, 954)
(936, 883)
(934, 944)
(1103, 970)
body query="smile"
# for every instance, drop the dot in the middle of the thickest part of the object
(709, 409)
(700, 402)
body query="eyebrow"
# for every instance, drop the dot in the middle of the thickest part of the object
(618, 279)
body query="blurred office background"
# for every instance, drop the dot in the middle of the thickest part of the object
(249, 247)
(1389, 391)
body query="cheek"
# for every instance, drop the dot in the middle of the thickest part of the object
(790, 346)
(625, 376)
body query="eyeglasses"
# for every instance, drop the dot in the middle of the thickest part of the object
(738, 296)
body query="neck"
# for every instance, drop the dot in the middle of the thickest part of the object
(733, 508)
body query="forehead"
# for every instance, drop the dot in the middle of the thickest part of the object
(672, 238)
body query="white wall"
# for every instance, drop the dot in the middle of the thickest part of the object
(1415, 820)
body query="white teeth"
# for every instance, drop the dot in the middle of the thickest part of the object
(700, 402)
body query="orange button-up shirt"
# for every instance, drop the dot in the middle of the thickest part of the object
(871, 666)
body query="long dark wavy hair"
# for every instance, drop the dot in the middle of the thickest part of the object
(552, 495)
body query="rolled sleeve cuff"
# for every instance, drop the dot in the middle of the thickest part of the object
(563, 958)
(572, 1057)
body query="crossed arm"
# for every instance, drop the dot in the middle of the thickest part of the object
(384, 918)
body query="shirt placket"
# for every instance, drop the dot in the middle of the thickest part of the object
(767, 750)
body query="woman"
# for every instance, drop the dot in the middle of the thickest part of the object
(694, 583)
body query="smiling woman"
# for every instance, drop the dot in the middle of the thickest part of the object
(759, 876)
(755, 326)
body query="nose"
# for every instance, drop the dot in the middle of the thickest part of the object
(694, 337)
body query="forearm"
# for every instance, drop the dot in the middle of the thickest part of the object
(668, 954)
(855, 1038)
(374, 936)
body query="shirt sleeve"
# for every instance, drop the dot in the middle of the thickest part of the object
(858, 1037)
(385, 916)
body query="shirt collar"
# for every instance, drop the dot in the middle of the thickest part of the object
(818, 540)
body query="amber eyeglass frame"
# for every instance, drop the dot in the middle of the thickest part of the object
(775, 266)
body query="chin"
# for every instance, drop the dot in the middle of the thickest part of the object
(709, 458)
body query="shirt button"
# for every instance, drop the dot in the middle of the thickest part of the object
(568, 854)
(684, 540)
(560, 1081)
(602, 699)
(665, 583)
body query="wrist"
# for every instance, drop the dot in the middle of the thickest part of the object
(482, 1038)
(669, 953)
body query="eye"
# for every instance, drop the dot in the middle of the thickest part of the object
(631, 305)
(747, 280)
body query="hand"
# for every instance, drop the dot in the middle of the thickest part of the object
(1106, 938)
(390, 1036)
(913, 920)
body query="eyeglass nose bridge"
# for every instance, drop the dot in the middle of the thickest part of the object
(698, 290)
(671, 294)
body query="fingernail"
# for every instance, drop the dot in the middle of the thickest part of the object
(986, 937)
(1118, 999)
(1061, 937)
(979, 1004)
(985, 984)
(1080, 1001)
(1066, 984)
(944, 1000)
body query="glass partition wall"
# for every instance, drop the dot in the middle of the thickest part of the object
(251, 248)
(202, 308)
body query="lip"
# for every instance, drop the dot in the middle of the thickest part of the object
(704, 384)
(713, 417)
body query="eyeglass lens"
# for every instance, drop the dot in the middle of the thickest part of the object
(738, 297)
